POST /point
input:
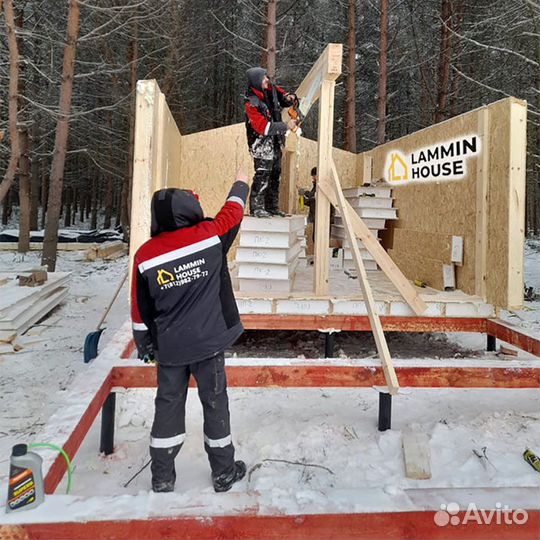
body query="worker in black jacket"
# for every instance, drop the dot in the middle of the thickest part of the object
(265, 136)
(184, 314)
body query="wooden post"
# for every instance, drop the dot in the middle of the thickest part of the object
(482, 180)
(324, 170)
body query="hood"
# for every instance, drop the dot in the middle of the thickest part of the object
(255, 77)
(174, 209)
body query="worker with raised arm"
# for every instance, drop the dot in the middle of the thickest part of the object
(266, 136)
(184, 316)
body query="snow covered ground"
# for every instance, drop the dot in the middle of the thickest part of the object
(327, 436)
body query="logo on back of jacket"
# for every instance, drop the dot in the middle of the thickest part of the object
(181, 274)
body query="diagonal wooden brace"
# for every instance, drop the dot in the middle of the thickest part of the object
(375, 322)
(387, 265)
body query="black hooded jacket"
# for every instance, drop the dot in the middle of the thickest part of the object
(263, 108)
(182, 303)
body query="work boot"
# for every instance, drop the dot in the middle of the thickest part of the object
(163, 486)
(278, 213)
(224, 482)
(271, 202)
(260, 213)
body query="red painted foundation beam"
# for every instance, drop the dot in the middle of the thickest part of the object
(58, 468)
(514, 336)
(360, 323)
(350, 377)
(418, 525)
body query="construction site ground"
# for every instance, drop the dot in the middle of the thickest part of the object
(298, 444)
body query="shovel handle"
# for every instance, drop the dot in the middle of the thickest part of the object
(120, 285)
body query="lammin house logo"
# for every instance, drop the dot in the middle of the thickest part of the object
(440, 162)
(398, 169)
(450, 515)
(164, 277)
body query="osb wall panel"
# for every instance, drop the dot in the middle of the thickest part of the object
(345, 164)
(506, 203)
(449, 208)
(445, 208)
(211, 158)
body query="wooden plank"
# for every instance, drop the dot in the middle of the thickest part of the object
(482, 189)
(382, 258)
(367, 169)
(324, 171)
(416, 455)
(62, 246)
(378, 334)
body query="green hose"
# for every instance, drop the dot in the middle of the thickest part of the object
(62, 451)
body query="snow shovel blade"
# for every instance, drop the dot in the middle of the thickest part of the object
(91, 345)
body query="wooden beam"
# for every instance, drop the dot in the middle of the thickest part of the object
(58, 468)
(513, 335)
(327, 67)
(360, 323)
(143, 156)
(322, 204)
(358, 526)
(317, 374)
(376, 328)
(482, 188)
(382, 258)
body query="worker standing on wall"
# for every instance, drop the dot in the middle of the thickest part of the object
(266, 137)
(184, 316)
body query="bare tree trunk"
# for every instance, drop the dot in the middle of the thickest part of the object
(6, 208)
(268, 59)
(383, 57)
(12, 104)
(109, 194)
(68, 201)
(24, 194)
(24, 161)
(445, 54)
(350, 96)
(82, 199)
(95, 197)
(50, 240)
(126, 186)
(34, 181)
(44, 198)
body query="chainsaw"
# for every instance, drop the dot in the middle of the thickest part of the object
(296, 114)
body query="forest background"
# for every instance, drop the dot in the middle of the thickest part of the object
(68, 72)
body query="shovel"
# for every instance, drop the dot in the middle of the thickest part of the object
(92, 339)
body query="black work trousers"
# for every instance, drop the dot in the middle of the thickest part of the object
(265, 188)
(169, 430)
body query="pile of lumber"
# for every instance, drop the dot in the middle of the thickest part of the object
(268, 253)
(23, 306)
(375, 206)
(107, 251)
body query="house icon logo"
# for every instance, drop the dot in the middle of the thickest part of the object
(164, 277)
(398, 169)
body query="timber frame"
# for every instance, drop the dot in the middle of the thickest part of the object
(114, 369)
